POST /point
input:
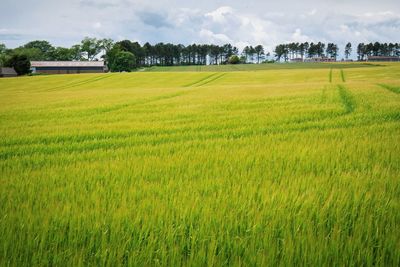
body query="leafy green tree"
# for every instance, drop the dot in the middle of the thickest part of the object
(361, 51)
(369, 49)
(32, 53)
(43, 46)
(347, 50)
(3, 54)
(3, 48)
(302, 50)
(376, 49)
(61, 54)
(292, 50)
(332, 50)
(280, 51)
(20, 63)
(35, 50)
(139, 52)
(228, 51)
(234, 59)
(91, 47)
(259, 49)
(149, 54)
(306, 48)
(320, 49)
(246, 52)
(125, 45)
(76, 52)
(123, 61)
(214, 52)
(111, 55)
(106, 45)
(252, 53)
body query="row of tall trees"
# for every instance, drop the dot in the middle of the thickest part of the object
(88, 49)
(377, 49)
(305, 50)
(252, 54)
(116, 53)
(126, 55)
(166, 54)
(312, 50)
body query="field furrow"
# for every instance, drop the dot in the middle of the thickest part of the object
(394, 89)
(347, 99)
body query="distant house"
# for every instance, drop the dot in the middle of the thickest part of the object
(66, 67)
(383, 58)
(298, 59)
(320, 59)
(8, 72)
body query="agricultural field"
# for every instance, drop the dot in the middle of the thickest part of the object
(263, 165)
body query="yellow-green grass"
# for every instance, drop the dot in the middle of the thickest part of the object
(289, 167)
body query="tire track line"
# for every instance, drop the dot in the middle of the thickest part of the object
(347, 99)
(201, 80)
(390, 88)
(211, 80)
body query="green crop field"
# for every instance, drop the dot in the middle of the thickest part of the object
(262, 165)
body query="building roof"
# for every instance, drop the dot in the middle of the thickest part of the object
(7, 71)
(67, 63)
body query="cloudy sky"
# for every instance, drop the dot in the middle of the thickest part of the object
(243, 22)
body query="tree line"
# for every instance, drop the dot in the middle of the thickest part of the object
(377, 49)
(305, 50)
(127, 55)
(311, 50)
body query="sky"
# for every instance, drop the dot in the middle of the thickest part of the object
(241, 23)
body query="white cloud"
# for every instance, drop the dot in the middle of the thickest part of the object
(217, 38)
(312, 12)
(220, 14)
(97, 25)
(297, 36)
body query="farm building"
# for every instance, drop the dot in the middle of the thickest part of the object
(383, 58)
(320, 59)
(298, 59)
(67, 67)
(7, 72)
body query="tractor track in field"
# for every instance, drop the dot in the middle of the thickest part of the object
(74, 84)
(393, 89)
(98, 111)
(347, 99)
(201, 80)
(116, 107)
(206, 80)
(211, 80)
(342, 76)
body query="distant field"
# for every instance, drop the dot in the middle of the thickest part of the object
(290, 165)
(255, 67)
